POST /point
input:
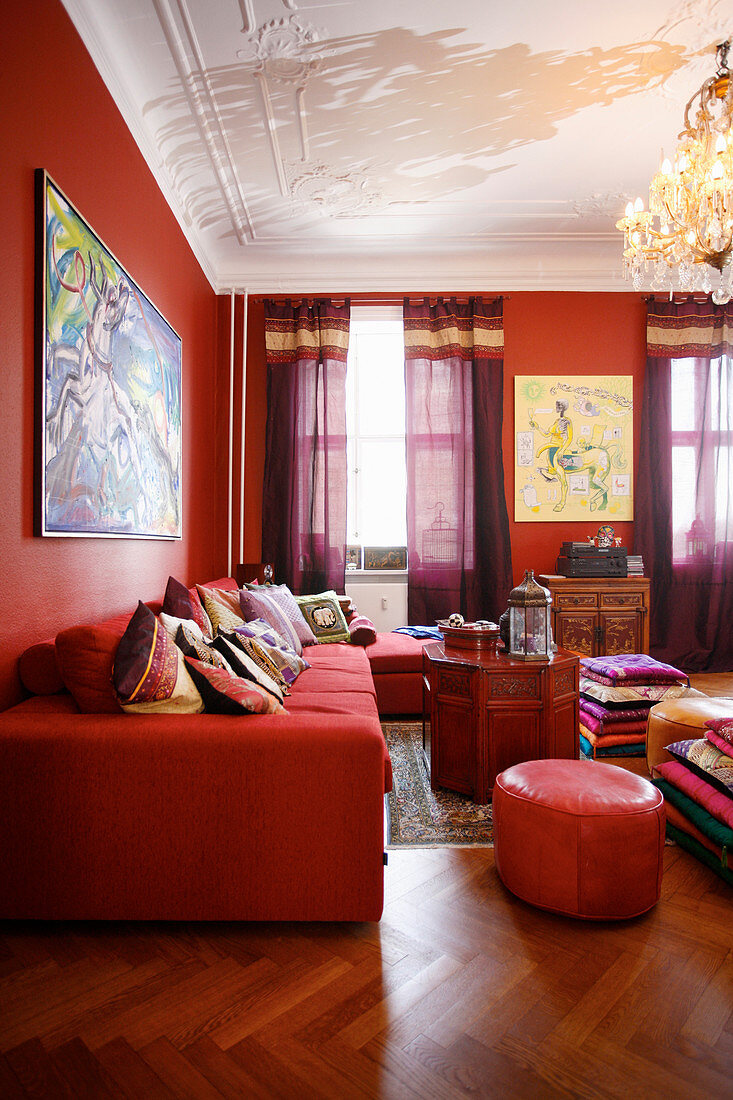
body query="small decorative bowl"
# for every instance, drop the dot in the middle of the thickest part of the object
(471, 636)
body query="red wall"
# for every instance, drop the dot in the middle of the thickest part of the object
(560, 333)
(58, 115)
(544, 334)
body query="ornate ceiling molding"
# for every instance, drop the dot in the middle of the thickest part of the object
(340, 194)
(247, 10)
(188, 58)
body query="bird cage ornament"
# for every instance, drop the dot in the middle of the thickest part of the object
(440, 540)
(698, 543)
(530, 630)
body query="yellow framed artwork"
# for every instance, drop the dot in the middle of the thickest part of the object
(574, 448)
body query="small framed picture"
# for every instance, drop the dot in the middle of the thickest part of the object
(353, 557)
(385, 557)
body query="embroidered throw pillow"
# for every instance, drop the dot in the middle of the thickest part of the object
(707, 761)
(257, 604)
(221, 614)
(224, 693)
(182, 603)
(193, 644)
(287, 660)
(324, 616)
(149, 674)
(261, 629)
(723, 727)
(243, 665)
(286, 601)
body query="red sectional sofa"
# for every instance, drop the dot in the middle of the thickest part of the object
(105, 815)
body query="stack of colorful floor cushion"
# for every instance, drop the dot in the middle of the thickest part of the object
(697, 785)
(616, 694)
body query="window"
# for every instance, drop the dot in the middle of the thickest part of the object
(702, 450)
(375, 425)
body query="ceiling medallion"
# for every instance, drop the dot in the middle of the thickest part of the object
(340, 194)
(285, 49)
(688, 229)
(600, 202)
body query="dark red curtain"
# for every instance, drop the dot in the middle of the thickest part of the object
(304, 494)
(685, 484)
(459, 552)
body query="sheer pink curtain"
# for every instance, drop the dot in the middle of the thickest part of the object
(685, 483)
(304, 494)
(459, 553)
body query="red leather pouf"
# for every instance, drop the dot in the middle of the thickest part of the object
(579, 838)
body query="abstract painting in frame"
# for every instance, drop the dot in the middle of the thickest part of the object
(109, 388)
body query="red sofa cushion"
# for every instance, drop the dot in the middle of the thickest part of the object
(86, 657)
(337, 656)
(396, 653)
(333, 680)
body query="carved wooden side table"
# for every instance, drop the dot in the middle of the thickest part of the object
(484, 712)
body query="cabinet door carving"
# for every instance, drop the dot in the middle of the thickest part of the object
(576, 632)
(620, 633)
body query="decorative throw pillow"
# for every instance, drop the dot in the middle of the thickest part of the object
(324, 616)
(221, 614)
(362, 630)
(287, 661)
(286, 601)
(261, 629)
(171, 624)
(228, 596)
(183, 603)
(256, 604)
(257, 652)
(149, 675)
(640, 694)
(224, 693)
(631, 668)
(709, 762)
(723, 727)
(192, 644)
(243, 665)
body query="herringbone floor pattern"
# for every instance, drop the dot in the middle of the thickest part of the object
(461, 990)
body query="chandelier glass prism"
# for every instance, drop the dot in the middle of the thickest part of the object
(685, 239)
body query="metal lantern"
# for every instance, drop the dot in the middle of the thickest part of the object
(530, 631)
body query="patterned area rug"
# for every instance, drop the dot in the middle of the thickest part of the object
(419, 817)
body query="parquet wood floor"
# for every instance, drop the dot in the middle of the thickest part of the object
(461, 990)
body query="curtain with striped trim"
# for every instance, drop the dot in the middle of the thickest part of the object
(685, 483)
(459, 551)
(304, 490)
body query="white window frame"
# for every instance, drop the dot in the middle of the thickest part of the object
(374, 315)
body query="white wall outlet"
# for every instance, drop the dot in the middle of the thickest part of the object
(384, 603)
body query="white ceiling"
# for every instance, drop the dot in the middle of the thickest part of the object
(403, 144)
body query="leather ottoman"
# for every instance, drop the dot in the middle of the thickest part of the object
(680, 720)
(579, 838)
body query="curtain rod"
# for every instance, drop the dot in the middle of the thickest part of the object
(676, 298)
(380, 299)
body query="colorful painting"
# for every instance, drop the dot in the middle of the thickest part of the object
(573, 448)
(110, 389)
(385, 557)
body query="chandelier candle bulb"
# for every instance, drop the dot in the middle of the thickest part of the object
(688, 229)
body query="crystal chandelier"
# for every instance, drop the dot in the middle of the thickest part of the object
(688, 229)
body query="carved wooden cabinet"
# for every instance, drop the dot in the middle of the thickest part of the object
(600, 615)
(484, 712)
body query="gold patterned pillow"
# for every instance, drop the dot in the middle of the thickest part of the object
(221, 613)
